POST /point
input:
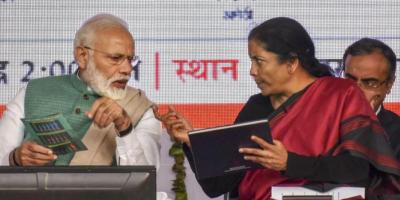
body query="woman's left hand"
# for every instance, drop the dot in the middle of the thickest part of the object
(272, 156)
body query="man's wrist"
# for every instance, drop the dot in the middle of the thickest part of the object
(126, 131)
(124, 123)
(12, 158)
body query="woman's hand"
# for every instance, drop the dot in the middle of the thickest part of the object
(271, 156)
(177, 126)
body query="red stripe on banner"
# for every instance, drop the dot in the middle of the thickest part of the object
(210, 115)
(2, 109)
(393, 106)
(216, 114)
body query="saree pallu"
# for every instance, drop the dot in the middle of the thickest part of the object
(329, 117)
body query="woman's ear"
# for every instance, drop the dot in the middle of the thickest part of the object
(292, 65)
(81, 57)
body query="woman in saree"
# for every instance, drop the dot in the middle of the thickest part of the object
(325, 133)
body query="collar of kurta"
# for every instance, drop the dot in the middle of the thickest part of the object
(80, 85)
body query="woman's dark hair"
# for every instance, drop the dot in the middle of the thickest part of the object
(289, 40)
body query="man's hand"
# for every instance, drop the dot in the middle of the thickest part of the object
(177, 126)
(105, 111)
(32, 154)
(272, 156)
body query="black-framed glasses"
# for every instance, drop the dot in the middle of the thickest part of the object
(117, 59)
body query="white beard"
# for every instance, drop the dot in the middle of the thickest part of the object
(100, 84)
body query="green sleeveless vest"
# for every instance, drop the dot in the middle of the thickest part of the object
(67, 95)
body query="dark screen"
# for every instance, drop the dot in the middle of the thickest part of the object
(78, 182)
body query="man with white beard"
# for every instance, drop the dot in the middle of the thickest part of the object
(113, 120)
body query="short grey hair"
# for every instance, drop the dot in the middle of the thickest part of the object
(87, 32)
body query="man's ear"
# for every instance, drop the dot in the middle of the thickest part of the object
(390, 84)
(81, 57)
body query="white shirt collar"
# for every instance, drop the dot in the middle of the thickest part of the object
(379, 109)
(88, 88)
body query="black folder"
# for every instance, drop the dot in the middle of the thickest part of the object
(216, 150)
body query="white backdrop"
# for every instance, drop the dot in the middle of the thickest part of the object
(36, 38)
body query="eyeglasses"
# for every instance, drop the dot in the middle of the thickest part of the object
(118, 59)
(368, 83)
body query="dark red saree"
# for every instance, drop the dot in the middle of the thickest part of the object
(329, 117)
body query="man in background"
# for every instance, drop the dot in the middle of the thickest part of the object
(113, 120)
(372, 64)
